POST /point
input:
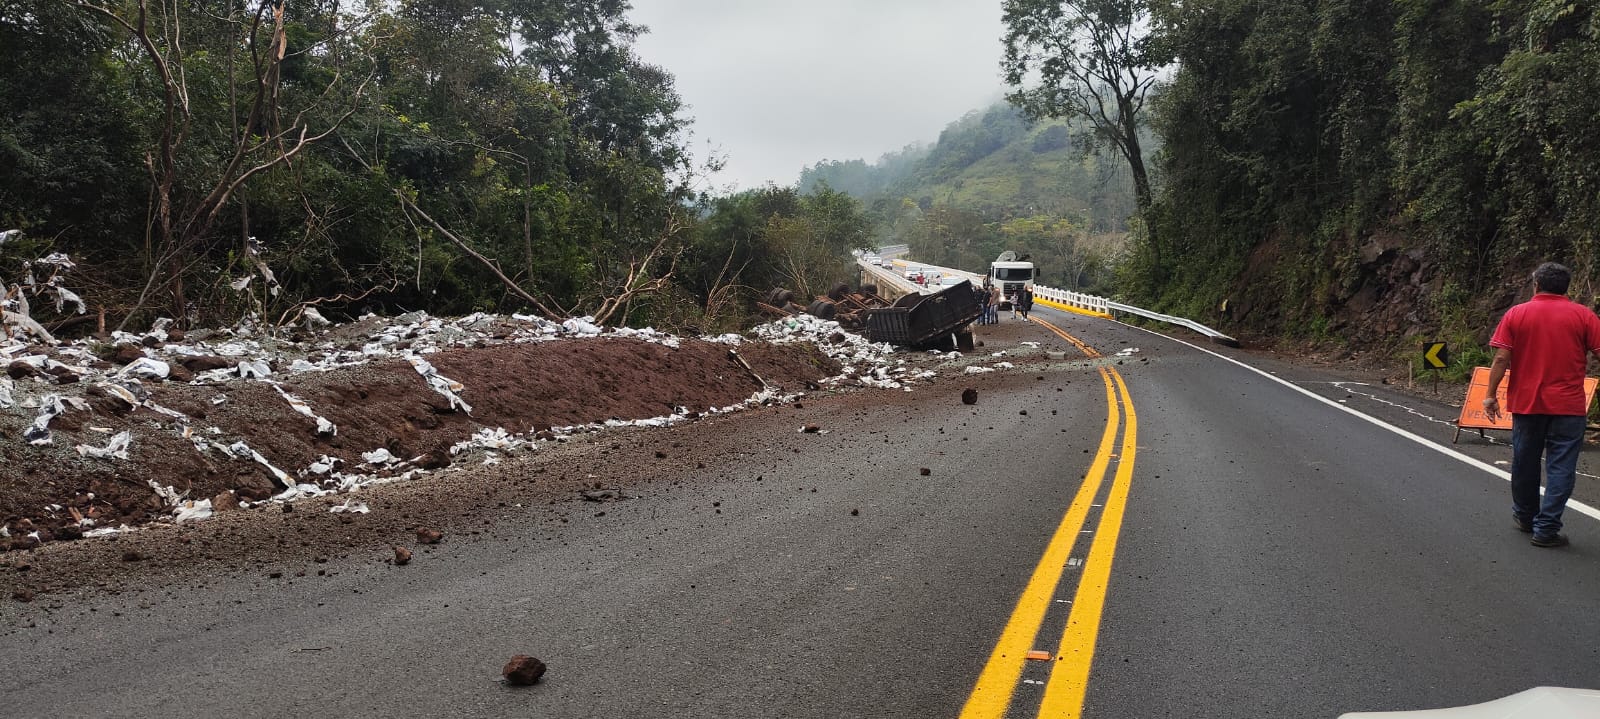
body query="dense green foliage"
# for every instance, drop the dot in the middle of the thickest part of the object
(211, 161)
(993, 182)
(1323, 161)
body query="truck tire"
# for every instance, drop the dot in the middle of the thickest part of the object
(838, 292)
(779, 297)
(823, 309)
(869, 289)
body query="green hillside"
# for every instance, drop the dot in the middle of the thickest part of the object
(994, 182)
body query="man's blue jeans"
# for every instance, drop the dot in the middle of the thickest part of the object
(1558, 438)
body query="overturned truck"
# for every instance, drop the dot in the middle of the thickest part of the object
(934, 321)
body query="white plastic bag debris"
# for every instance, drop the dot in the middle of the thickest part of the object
(978, 370)
(314, 318)
(1034, 345)
(243, 451)
(65, 296)
(146, 368)
(167, 493)
(257, 369)
(1128, 352)
(441, 384)
(323, 465)
(350, 506)
(324, 427)
(582, 326)
(9, 236)
(5, 393)
(38, 433)
(56, 259)
(1005, 365)
(219, 399)
(495, 439)
(116, 449)
(379, 456)
(192, 510)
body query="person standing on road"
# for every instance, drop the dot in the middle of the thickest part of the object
(1025, 300)
(981, 294)
(994, 305)
(1545, 343)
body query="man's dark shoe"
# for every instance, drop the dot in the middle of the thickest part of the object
(1554, 540)
(1523, 524)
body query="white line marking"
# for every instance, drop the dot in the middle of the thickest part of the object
(1581, 508)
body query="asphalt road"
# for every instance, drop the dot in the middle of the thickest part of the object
(1246, 550)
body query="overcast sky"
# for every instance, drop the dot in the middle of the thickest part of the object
(776, 85)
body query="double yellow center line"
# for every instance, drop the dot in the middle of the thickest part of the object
(1070, 660)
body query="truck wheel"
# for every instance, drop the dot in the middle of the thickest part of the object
(838, 292)
(823, 309)
(869, 289)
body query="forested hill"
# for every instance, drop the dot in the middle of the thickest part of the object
(995, 181)
(1371, 172)
(994, 162)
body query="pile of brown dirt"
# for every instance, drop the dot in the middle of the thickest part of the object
(383, 404)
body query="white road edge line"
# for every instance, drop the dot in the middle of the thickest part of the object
(1580, 507)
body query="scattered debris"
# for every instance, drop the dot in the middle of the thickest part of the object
(429, 536)
(969, 396)
(350, 506)
(117, 448)
(924, 471)
(402, 556)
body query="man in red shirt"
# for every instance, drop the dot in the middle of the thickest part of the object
(1545, 343)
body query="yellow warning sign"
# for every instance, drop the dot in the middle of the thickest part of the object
(1435, 355)
(1472, 414)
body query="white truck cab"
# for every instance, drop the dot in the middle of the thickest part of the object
(1010, 274)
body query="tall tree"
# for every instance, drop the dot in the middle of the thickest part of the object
(1093, 59)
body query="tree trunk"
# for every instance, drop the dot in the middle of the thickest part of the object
(1141, 178)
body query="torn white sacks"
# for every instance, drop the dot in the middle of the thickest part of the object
(38, 433)
(192, 510)
(5, 393)
(441, 384)
(324, 427)
(146, 368)
(350, 506)
(243, 451)
(116, 449)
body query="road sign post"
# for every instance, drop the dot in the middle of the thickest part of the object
(1435, 356)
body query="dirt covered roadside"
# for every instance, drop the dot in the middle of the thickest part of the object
(98, 437)
(488, 483)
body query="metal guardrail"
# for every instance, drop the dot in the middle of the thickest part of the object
(1087, 303)
(1078, 300)
(1110, 307)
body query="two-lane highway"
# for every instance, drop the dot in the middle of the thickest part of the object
(1177, 535)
